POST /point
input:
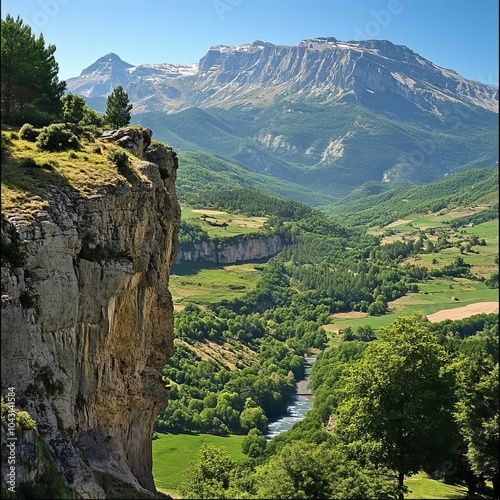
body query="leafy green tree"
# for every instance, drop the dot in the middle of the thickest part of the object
(398, 398)
(254, 443)
(91, 117)
(29, 71)
(253, 418)
(299, 470)
(73, 109)
(209, 476)
(118, 108)
(478, 411)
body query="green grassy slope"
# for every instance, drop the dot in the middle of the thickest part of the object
(337, 147)
(199, 171)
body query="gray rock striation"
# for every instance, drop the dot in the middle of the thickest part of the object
(232, 250)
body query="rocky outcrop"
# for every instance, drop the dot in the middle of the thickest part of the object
(232, 250)
(135, 139)
(87, 325)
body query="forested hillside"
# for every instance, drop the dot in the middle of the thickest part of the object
(379, 204)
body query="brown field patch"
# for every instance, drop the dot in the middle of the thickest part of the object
(467, 211)
(331, 328)
(399, 222)
(351, 314)
(208, 212)
(402, 302)
(398, 237)
(199, 352)
(255, 222)
(464, 312)
(222, 353)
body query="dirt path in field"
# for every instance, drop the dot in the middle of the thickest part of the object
(463, 312)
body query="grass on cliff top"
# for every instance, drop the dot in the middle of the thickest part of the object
(25, 183)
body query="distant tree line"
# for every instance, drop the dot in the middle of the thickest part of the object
(251, 202)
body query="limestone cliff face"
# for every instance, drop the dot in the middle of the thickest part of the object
(87, 325)
(232, 250)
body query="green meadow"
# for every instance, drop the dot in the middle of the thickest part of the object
(209, 285)
(422, 486)
(173, 454)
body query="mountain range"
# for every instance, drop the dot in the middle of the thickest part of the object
(325, 115)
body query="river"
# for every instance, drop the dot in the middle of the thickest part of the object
(300, 403)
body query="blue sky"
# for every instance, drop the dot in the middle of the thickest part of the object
(458, 34)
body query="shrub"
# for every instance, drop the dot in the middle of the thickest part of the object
(72, 155)
(14, 136)
(33, 116)
(57, 137)
(28, 132)
(118, 157)
(24, 420)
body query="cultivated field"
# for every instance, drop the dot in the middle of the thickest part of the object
(233, 355)
(437, 295)
(464, 312)
(450, 297)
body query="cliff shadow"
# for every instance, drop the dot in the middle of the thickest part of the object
(192, 268)
(189, 268)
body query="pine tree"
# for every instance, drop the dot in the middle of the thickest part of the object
(29, 71)
(118, 108)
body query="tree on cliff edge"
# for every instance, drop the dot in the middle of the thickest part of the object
(118, 108)
(29, 73)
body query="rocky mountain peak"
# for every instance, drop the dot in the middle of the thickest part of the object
(108, 62)
(322, 67)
